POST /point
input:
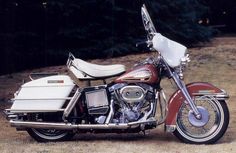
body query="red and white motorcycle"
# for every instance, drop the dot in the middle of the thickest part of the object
(56, 108)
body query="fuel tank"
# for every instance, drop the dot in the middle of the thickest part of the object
(145, 74)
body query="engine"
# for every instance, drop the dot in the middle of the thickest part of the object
(132, 93)
(131, 101)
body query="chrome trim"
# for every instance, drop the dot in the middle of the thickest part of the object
(155, 103)
(6, 114)
(220, 96)
(183, 63)
(149, 120)
(165, 112)
(183, 89)
(69, 126)
(71, 104)
(170, 128)
(146, 115)
(64, 126)
(32, 110)
(67, 98)
(70, 59)
(148, 24)
(12, 117)
(185, 60)
(130, 87)
(111, 113)
(185, 92)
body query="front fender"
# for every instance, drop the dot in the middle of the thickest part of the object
(194, 89)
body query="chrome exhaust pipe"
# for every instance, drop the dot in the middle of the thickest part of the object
(42, 125)
(65, 126)
(69, 126)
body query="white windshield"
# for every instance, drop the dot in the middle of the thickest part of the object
(170, 50)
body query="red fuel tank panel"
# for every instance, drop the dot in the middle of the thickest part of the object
(145, 74)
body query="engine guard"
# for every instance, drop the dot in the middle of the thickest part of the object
(195, 89)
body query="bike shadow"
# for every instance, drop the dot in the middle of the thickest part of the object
(147, 136)
(153, 136)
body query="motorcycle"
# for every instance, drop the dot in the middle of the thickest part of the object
(56, 107)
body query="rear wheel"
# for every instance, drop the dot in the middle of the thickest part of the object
(210, 128)
(46, 135)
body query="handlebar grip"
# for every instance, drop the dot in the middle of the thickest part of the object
(141, 44)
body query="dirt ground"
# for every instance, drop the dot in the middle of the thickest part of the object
(214, 63)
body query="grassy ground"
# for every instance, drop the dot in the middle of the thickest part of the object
(214, 63)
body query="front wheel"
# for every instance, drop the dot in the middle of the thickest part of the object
(207, 130)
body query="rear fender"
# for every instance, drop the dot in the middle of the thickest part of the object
(195, 89)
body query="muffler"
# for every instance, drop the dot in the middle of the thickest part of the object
(65, 126)
(69, 126)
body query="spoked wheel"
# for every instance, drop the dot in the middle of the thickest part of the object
(210, 128)
(46, 135)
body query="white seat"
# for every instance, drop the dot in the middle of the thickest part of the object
(93, 71)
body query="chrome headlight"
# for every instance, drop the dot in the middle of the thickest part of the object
(185, 60)
(183, 63)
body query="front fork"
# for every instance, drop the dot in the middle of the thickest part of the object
(181, 85)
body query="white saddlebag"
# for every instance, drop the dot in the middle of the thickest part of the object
(44, 94)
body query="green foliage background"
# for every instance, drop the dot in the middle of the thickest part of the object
(37, 33)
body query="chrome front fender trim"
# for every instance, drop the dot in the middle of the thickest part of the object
(219, 96)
